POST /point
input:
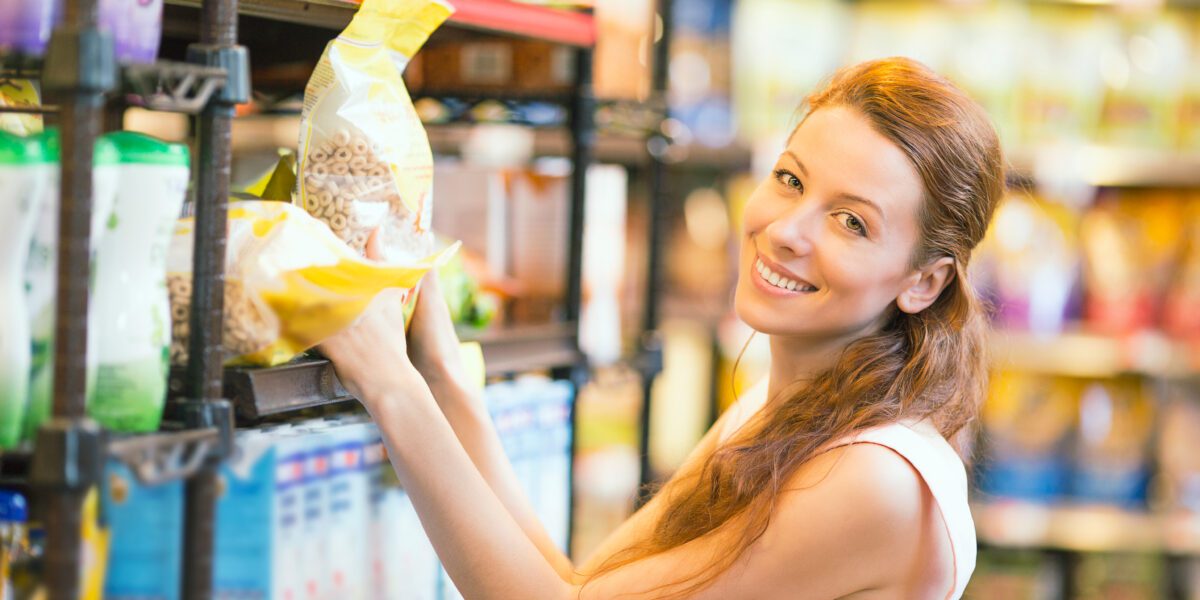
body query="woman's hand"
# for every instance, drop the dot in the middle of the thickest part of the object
(434, 348)
(370, 356)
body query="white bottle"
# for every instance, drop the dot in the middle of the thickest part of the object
(132, 324)
(23, 168)
(41, 275)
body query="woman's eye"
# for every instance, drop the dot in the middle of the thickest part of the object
(789, 179)
(853, 223)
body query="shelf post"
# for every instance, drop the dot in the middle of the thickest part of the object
(204, 405)
(651, 360)
(79, 69)
(583, 142)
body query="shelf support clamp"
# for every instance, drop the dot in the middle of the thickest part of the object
(234, 60)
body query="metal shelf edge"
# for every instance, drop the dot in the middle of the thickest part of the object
(492, 16)
(306, 383)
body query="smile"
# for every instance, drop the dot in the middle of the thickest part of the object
(775, 280)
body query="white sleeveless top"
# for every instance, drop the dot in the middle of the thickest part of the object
(927, 451)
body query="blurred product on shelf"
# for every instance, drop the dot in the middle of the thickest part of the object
(1028, 265)
(767, 92)
(625, 29)
(1178, 450)
(312, 509)
(494, 65)
(512, 221)
(603, 263)
(1181, 307)
(1027, 428)
(700, 81)
(23, 94)
(135, 25)
(1047, 73)
(1004, 575)
(41, 279)
(133, 311)
(1112, 453)
(365, 164)
(25, 26)
(15, 547)
(471, 307)
(23, 168)
(290, 283)
(1124, 266)
(1122, 442)
(146, 528)
(1131, 246)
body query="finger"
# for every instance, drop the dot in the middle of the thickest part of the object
(431, 301)
(373, 249)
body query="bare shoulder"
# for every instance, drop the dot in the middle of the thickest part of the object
(870, 479)
(849, 516)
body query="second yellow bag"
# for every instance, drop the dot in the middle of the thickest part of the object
(290, 283)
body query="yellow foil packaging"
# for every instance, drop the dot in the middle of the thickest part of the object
(290, 283)
(365, 167)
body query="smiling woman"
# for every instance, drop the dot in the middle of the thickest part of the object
(834, 478)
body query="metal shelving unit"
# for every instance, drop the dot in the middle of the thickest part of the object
(491, 16)
(308, 382)
(78, 74)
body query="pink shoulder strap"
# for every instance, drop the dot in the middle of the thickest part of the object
(943, 472)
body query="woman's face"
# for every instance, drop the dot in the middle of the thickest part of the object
(828, 236)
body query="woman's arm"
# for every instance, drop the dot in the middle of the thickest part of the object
(834, 535)
(435, 353)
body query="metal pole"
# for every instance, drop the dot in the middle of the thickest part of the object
(78, 70)
(583, 139)
(80, 126)
(204, 406)
(651, 343)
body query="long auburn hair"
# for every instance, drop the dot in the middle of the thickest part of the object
(926, 365)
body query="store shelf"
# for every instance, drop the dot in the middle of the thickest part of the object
(1100, 165)
(1084, 528)
(258, 393)
(530, 348)
(609, 147)
(160, 86)
(1094, 355)
(164, 456)
(492, 16)
(153, 458)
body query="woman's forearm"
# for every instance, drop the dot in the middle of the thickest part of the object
(466, 411)
(480, 542)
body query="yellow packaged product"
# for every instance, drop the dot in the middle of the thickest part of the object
(290, 283)
(365, 165)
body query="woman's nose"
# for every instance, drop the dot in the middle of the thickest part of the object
(793, 232)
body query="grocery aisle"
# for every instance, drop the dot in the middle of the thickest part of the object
(598, 196)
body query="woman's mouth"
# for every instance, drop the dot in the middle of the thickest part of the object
(780, 282)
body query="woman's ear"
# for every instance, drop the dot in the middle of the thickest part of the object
(927, 284)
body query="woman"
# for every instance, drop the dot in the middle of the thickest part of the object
(842, 484)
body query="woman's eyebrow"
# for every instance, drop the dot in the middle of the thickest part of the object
(860, 200)
(799, 163)
(843, 195)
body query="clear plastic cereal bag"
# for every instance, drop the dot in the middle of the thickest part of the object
(290, 283)
(365, 165)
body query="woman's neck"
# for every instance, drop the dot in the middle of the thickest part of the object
(795, 360)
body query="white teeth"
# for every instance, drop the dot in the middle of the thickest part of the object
(779, 281)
